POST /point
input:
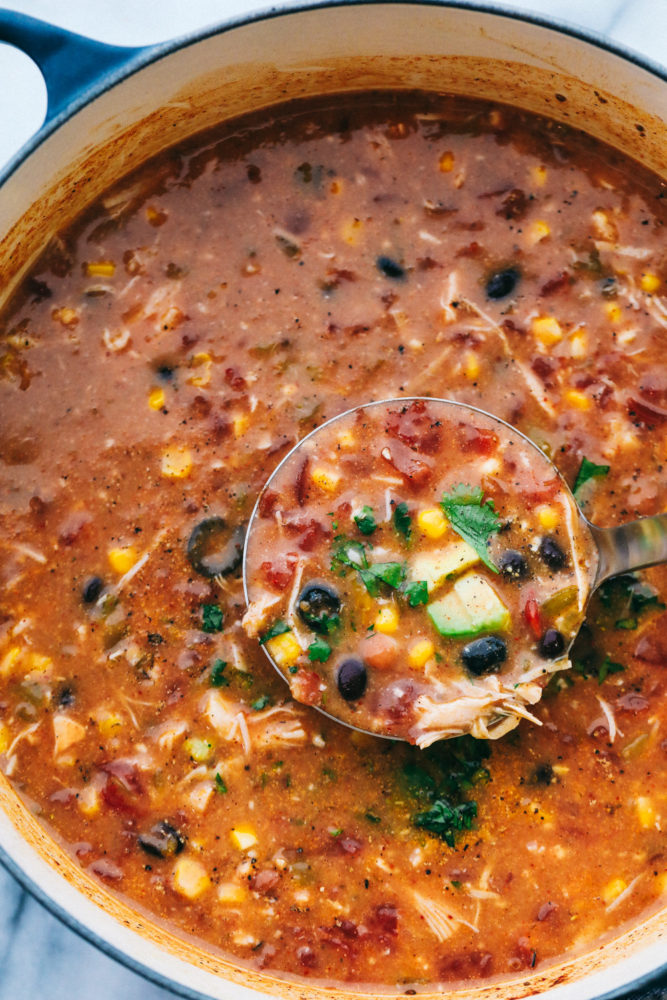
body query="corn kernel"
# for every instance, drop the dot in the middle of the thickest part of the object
(199, 750)
(420, 652)
(202, 363)
(548, 517)
(351, 231)
(386, 620)
(446, 162)
(547, 330)
(346, 439)
(432, 522)
(578, 400)
(10, 660)
(284, 649)
(101, 269)
(538, 231)
(88, 801)
(539, 175)
(645, 812)
(156, 399)
(240, 424)
(613, 889)
(4, 738)
(176, 462)
(38, 662)
(470, 366)
(578, 344)
(155, 216)
(326, 479)
(65, 316)
(604, 227)
(110, 724)
(336, 186)
(362, 740)
(190, 878)
(122, 559)
(243, 836)
(229, 892)
(649, 283)
(613, 311)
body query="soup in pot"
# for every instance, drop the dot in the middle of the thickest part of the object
(159, 361)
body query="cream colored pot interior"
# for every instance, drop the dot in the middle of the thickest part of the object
(303, 53)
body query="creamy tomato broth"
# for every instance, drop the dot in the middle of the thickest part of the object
(161, 359)
(420, 618)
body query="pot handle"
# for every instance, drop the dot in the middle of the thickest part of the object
(71, 64)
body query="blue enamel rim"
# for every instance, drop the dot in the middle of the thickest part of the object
(115, 64)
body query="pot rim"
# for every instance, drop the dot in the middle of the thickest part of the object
(128, 66)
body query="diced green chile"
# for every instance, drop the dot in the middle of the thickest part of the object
(215, 549)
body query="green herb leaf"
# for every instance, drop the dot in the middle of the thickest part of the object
(588, 470)
(473, 518)
(211, 618)
(293, 670)
(348, 552)
(391, 573)
(278, 628)
(335, 831)
(261, 703)
(319, 650)
(403, 521)
(416, 593)
(629, 624)
(370, 581)
(217, 677)
(608, 667)
(220, 783)
(446, 820)
(365, 521)
(372, 818)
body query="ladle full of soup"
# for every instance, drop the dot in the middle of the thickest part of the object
(418, 569)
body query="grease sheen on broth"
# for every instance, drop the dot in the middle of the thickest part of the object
(163, 356)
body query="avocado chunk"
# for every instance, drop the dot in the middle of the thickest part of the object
(470, 608)
(436, 567)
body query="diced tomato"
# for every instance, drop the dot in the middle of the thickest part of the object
(267, 503)
(306, 687)
(652, 647)
(415, 427)
(301, 483)
(279, 573)
(234, 379)
(531, 612)
(349, 845)
(379, 651)
(311, 532)
(123, 789)
(646, 413)
(415, 472)
(385, 918)
(476, 440)
(556, 284)
(633, 702)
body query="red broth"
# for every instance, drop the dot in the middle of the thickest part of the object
(159, 361)
(447, 577)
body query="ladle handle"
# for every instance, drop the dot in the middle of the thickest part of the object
(630, 546)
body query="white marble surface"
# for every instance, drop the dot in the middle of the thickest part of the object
(39, 958)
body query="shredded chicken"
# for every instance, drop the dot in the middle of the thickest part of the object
(441, 918)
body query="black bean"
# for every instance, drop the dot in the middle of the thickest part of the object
(351, 679)
(213, 549)
(162, 841)
(65, 697)
(482, 655)
(92, 589)
(165, 372)
(318, 607)
(551, 645)
(551, 553)
(502, 283)
(513, 565)
(390, 268)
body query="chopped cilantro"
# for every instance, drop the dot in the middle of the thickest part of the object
(455, 882)
(391, 573)
(416, 593)
(446, 820)
(365, 520)
(278, 628)
(473, 518)
(319, 650)
(335, 831)
(220, 783)
(211, 618)
(217, 677)
(629, 624)
(403, 521)
(261, 703)
(348, 552)
(370, 581)
(372, 818)
(608, 667)
(588, 470)
(293, 670)
(626, 597)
